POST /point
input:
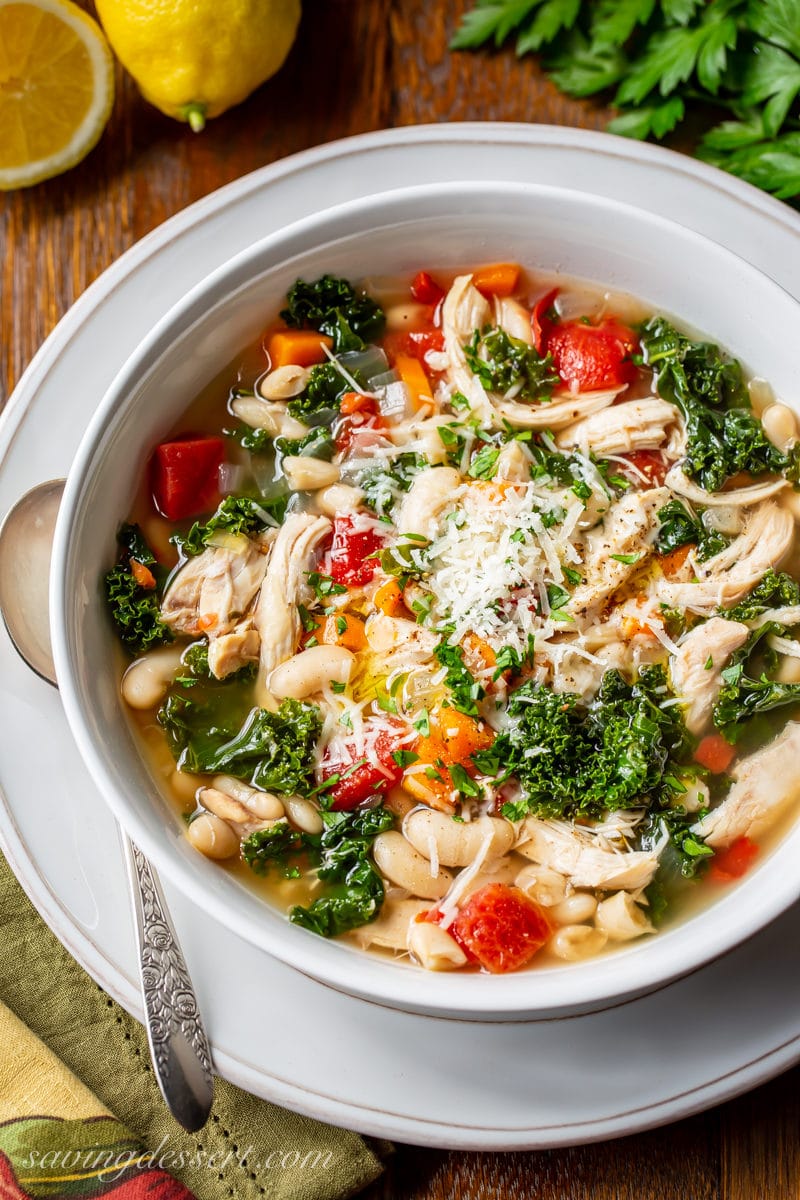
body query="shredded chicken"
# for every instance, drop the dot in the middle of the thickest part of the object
(584, 858)
(427, 496)
(766, 783)
(680, 483)
(730, 575)
(234, 650)
(276, 615)
(696, 669)
(635, 425)
(463, 311)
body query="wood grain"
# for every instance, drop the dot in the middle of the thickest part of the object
(360, 65)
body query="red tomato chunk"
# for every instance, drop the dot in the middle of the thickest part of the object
(715, 753)
(416, 344)
(357, 785)
(735, 861)
(501, 928)
(591, 357)
(425, 289)
(541, 323)
(185, 476)
(651, 464)
(348, 556)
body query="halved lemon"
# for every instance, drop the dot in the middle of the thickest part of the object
(56, 88)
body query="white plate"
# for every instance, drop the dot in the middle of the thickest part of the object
(274, 1031)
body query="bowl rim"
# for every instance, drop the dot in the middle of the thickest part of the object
(448, 995)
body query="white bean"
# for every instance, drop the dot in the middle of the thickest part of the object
(283, 383)
(761, 395)
(401, 863)
(310, 671)
(502, 870)
(405, 316)
(788, 671)
(185, 785)
(307, 474)
(303, 814)
(621, 919)
(261, 804)
(434, 948)
(574, 909)
(696, 795)
(339, 498)
(212, 836)
(145, 682)
(573, 942)
(267, 415)
(224, 806)
(542, 884)
(456, 842)
(780, 426)
(390, 929)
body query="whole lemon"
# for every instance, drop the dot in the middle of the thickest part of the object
(194, 59)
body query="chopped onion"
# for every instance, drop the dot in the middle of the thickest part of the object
(393, 399)
(231, 478)
(368, 362)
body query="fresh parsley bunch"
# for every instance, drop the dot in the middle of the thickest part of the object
(658, 60)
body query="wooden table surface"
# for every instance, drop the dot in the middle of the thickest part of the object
(360, 65)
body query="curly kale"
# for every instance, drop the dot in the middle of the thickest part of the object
(236, 514)
(502, 362)
(271, 847)
(333, 306)
(774, 591)
(273, 750)
(746, 693)
(575, 760)
(133, 601)
(678, 527)
(318, 443)
(723, 437)
(194, 662)
(689, 849)
(319, 403)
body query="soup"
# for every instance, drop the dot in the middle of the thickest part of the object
(462, 617)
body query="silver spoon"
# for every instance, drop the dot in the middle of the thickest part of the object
(178, 1044)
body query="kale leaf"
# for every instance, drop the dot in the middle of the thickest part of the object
(194, 662)
(333, 306)
(723, 436)
(689, 848)
(678, 527)
(774, 591)
(744, 695)
(134, 606)
(236, 514)
(273, 750)
(318, 443)
(612, 754)
(319, 402)
(271, 846)
(502, 362)
(356, 893)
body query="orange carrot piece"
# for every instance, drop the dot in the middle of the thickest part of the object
(672, 562)
(715, 753)
(143, 575)
(388, 599)
(207, 622)
(296, 348)
(413, 376)
(339, 629)
(353, 402)
(459, 735)
(499, 279)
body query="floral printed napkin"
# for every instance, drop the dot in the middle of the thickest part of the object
(111, 1135)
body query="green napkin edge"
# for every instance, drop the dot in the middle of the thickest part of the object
(107, 1049)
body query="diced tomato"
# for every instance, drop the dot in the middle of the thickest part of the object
(591, 357)
(541, 324)
(355, 427)
(501, 928)
(735, 861)
(715, 753)
(415, 344)
(353, 402)
(185, 475)
(425, 289)
(357, 784)
(651, 463)
(348, 557)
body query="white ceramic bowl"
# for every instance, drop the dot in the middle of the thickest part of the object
(673, 269)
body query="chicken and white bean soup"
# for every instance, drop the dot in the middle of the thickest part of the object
(463, 616)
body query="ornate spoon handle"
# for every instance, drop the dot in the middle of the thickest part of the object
(178, 1043)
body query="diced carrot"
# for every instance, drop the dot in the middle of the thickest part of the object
(632, 628)
(143, 575)
(437, 793)
(735, 861)
(388, 599)
(207, 621)
(353, 402)
(478, 654)
(715, 753)
(671, 563)
(499, 279)
(296, 347)
(339, 629)
(459, 735)
(413, 376)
